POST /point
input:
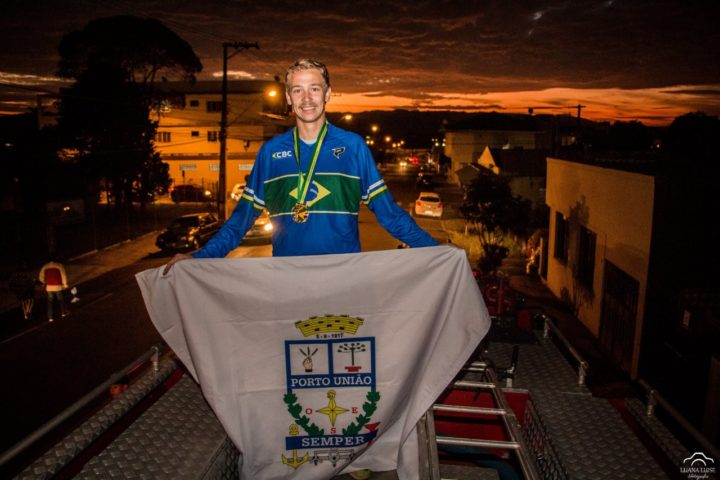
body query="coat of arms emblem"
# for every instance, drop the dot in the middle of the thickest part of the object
(331, 391)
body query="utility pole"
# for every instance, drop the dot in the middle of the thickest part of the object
(222, 187)
(579, 109)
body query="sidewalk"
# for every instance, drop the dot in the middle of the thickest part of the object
(605, 379)
(79, 270)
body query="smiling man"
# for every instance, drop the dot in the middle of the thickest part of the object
(312, 180)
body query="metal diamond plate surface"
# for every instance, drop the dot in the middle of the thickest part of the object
(176, 438)
(659, 433)
(591, 439)
(64, 451)
(539, 366)
(572, 434)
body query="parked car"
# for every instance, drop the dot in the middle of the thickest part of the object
(190, 193)
(429, 204)
(188, 232)
(262, 228)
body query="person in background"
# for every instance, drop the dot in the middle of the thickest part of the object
(312, 181)
(53, 276)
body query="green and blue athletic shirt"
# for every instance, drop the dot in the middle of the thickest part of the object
(345, 176)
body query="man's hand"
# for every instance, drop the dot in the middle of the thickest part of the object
(174, 260)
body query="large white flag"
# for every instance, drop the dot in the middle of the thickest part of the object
(321, 364)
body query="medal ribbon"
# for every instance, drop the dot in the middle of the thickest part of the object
(304, 180)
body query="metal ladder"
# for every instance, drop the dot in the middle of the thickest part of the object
(428, 441)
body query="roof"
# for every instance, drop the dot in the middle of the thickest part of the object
(521, 162)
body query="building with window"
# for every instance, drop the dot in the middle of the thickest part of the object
(466, 141)
(631, 249)
(188, 132)
(601, 226)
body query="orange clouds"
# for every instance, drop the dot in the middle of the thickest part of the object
(652, 106)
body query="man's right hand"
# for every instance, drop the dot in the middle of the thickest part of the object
(174, 260)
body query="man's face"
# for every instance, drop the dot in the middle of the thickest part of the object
(307, 95)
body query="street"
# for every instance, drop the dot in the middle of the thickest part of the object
(49, 367)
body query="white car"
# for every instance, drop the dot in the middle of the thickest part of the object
(429, 204)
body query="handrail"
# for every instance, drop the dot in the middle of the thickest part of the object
(654, 398)
(153, 354)
(514, 430)
(549, 325)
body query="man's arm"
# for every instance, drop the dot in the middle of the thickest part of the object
(378, 198)
(398, 222)
(231, 233)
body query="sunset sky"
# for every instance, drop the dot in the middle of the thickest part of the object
(623, 60)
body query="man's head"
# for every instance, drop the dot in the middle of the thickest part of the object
(307, 90)
(307, 64)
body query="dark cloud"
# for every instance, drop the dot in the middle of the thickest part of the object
(412, 48)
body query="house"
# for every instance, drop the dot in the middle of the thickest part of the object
(600, 235)
(465, 141)
(188, 132)
(525, 170)
(630, 250)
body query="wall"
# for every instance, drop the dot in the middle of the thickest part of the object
(192, 150)
(617, 206)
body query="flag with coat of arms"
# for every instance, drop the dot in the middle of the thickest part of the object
(321, 365)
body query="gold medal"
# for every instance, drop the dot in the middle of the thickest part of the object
(300, 213)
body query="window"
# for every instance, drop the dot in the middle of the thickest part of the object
(586, 256)
(194, 103)
(214, 106)
(212, 136)
(163, 137)
(194, 133)
(562, 234)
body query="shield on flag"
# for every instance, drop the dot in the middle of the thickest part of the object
(331, 392)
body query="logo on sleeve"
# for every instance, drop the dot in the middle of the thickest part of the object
(338, 151)
(283, 154)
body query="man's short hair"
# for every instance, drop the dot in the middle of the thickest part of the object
(308, 64)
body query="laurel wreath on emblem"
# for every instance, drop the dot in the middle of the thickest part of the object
(369, 408)
(313, 430)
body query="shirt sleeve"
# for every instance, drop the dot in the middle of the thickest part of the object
(378, 198)
(249, 207)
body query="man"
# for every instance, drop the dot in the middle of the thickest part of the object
(53, 276)
(312, 180)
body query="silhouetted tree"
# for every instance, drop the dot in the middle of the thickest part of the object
(105, 115)
(490, 205)
(630, 136)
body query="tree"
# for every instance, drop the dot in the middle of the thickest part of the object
(105, 114)
(494, 212)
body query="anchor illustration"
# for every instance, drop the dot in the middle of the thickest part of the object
(295, 462)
